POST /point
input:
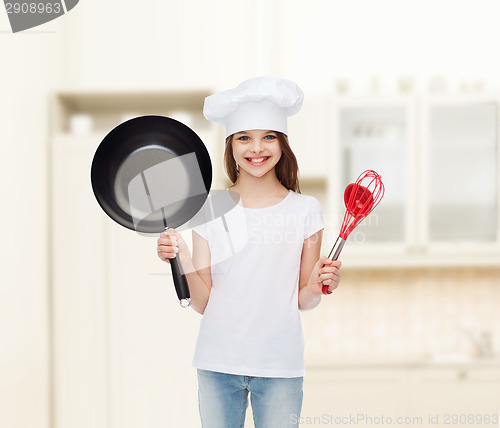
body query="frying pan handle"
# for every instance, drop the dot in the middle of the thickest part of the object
(336, 249)
(180, 283)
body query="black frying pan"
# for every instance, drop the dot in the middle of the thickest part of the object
(150, 173)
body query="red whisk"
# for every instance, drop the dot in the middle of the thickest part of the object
(360, 200)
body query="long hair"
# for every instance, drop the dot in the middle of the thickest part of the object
(287, 168)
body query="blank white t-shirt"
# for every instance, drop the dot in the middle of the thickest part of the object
(251, 325)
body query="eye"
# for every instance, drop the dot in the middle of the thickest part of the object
(270, 137)
(243, 138)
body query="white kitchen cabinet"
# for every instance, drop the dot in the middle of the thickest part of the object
(439, 161)
(380, 136)
(151, 338)
(457, 395)
(78, 287)
(352, 392)
(460, 190)
(414, 394)
(309, 137)
(122, 344)
(461, 184)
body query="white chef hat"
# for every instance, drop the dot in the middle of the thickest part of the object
(260, 103)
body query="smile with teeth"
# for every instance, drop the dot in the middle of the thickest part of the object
(258, 161)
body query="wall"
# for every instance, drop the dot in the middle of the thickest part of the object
(30, 69)
(408, 314)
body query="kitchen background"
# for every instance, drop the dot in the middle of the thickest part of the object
(91, 332)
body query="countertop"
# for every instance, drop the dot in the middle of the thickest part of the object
(318, 363)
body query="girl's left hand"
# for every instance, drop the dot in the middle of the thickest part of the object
(325, 272)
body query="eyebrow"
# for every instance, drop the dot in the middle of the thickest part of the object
(248, 133)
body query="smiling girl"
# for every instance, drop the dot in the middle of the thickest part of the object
(250, 338)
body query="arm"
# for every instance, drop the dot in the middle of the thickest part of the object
(200, 275)
(196, 268)
(314, 272)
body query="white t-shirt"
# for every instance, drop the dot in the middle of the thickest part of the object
(251, 325)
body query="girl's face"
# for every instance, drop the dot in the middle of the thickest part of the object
(256, 151)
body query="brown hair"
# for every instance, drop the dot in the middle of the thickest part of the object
(287, 168)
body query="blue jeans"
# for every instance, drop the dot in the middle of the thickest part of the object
(276, 402)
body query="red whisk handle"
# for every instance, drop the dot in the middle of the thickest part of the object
(334, 255)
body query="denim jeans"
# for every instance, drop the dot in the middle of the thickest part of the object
(223, 400)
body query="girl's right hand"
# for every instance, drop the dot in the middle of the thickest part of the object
(169, 244)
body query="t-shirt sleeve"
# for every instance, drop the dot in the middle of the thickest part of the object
(199, 223)
(201, 230)
(314, 218)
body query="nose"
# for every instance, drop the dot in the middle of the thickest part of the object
(257, 146)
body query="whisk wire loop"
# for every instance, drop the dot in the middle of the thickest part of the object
(360, 200)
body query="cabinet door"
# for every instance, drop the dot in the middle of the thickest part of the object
(457, 396)
(308, 135)
(151, 338)
(122, 344)
(79, 289)
(352, 392)
(460, 172)
(379, 137)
